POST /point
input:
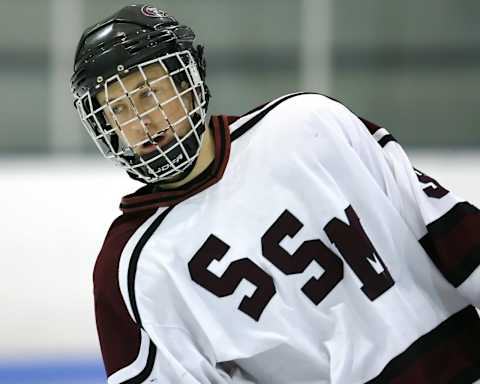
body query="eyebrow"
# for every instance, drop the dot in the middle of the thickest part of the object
(140, 84)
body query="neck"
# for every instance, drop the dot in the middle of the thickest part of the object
(205, 158)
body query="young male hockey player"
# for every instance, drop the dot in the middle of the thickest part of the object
(295, 244)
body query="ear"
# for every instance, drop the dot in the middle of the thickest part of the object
(183, 85)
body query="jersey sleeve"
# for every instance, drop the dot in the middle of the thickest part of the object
(447, 226)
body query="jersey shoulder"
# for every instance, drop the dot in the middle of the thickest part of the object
(299, 110)
(298, 120)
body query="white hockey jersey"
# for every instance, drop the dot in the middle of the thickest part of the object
(310, 251)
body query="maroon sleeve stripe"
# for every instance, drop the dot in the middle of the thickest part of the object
(385, 140)
(453, 242)
(447, 354)
(372, 128)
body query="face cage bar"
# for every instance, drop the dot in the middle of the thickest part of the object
(101, 132)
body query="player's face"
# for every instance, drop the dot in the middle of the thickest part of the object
(150, 114)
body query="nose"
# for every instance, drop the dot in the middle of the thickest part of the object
(138, 122)
(139, 129)
(147, 125)
(147, 121)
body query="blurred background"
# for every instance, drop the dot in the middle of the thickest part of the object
(412, 67)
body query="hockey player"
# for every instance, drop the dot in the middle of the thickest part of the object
(295, 244)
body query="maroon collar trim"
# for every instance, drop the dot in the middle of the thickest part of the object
(139, 202)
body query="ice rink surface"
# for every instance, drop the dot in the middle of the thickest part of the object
(55, 214)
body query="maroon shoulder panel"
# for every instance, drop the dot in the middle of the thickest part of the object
(118, 334)
(453, 243)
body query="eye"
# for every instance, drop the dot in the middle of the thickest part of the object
(148, 92)
(117, 109)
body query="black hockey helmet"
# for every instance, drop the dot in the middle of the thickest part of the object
(128, 41)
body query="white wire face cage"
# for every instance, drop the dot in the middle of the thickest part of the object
(150, 122)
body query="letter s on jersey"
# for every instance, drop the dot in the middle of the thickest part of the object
(349, 238)
(216, 249)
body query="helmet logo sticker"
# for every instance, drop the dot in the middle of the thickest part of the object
(150, 11)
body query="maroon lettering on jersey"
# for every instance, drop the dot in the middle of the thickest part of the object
(360, 254)
(225, 285)
(453, 243)
(118, 334)
(312, 250)
(433, 188)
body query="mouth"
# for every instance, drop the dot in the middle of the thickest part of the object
(160, 139)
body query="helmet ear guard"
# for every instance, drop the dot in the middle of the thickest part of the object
(129, 43)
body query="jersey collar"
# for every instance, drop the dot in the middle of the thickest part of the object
(145, 198)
